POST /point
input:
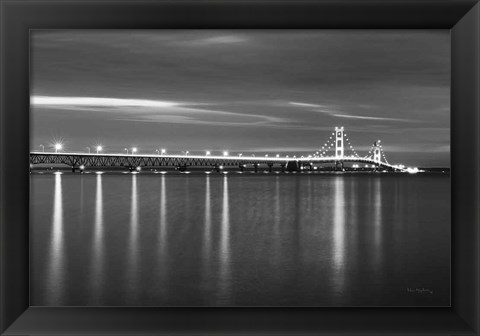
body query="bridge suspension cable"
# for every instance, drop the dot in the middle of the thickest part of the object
(383, 154)
(355, 154)
(370, 153)
(327, 146)
(329, 149)
(337, 147)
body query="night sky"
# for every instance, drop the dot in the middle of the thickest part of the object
(245, 91)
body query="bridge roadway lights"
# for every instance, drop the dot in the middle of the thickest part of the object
(182, 168)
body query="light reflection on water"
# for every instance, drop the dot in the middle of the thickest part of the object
(339, 234)
(161, 256)
(276, 222)
(163, 241)
(209, 240)
(378, 225)
(224, 250)
(57, 254)
(133, 247)
(98, 245)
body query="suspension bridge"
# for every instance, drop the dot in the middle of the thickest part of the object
(336, 151)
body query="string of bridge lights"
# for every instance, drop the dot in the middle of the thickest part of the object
(383, 154)
(369, 154)
(331, 142)
(321, 151)
(328, 146)
(350, 145)
(324, 149)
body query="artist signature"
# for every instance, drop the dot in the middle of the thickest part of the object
(420, 290)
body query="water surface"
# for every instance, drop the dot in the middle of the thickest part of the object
(240, 240)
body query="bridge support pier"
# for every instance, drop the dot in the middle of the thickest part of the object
(282, 166)
(293, 166)
(242, 167)
(270, 167)
(131, 169)
(73, 169)
(339, 165)
(255, 167)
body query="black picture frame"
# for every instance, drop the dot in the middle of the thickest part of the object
(18, 17)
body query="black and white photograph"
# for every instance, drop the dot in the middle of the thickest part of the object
(240, 168)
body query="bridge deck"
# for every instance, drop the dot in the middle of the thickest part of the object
(148, 160)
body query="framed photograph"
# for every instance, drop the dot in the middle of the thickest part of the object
(186, 167)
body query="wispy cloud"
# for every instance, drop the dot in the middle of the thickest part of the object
(213, 40)
(305, 104)
(328, 109)
(372, 118)
(423, 148)
(161, 111)
(103, 102)
(244, 120)
(324, 108)
(279, 149)
(333, 110)
(192, 113)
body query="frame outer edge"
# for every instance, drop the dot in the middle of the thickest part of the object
(476, 308)
(6, 319)
(477, 226)
(465, 149)
(3, 325)
(13, 238)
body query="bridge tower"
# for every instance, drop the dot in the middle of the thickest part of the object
(339, 142)
(376, 152)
